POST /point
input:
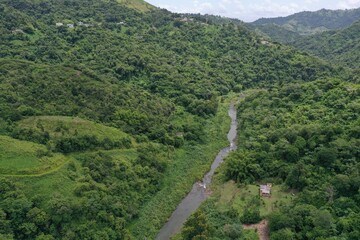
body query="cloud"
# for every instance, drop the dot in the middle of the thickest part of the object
(347, 4)
(250, 10)
(273, 9)
(311, 1)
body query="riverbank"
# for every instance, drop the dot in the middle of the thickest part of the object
(199, 192)
(189, 165)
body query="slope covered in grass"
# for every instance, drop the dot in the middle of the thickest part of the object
(57, 130)
(139, 5)
(26, 158)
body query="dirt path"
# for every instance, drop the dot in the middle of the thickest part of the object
(262, 229)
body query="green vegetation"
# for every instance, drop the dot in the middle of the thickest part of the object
(139, 5)
(106, 124)
(58, 126)
(68, 134)
(187, 166)
(306, 23)
(26, 158)
(239, 197)
(276, 33)
(303, 135)
(341, 47)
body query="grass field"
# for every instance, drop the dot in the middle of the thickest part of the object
(58, 126)
(139, 5)
(237, 197)
(22, 158)
(123, 154)
(45, 186)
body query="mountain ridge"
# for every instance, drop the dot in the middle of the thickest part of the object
(289, 28)
(340, 46)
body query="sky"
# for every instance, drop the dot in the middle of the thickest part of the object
(250, 10)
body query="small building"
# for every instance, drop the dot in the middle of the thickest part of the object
(265, 190)
(70, 25)
(59, 24)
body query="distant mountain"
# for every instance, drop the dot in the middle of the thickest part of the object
(341, 46)
(286, 29)
(276, 32)
(310, 22)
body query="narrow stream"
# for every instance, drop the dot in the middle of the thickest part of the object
(199, 192)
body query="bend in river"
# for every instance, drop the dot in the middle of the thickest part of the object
(199, 191)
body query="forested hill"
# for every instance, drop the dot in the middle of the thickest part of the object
(311, 22)
(293, 27)
(105, 105)
(342, 46)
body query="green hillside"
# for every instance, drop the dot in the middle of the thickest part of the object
(341, 47)
(290, 28)
(59, 126)
(276, 33)
(311, 22)
(26, 158)
(110, 112)
(67, 134)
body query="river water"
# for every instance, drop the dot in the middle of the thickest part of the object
(199, 192)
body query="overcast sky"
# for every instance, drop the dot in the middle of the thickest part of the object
(250, 10)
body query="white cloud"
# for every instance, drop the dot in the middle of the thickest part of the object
(250, 10)
(272, 9)
(312, 1)
(347, 4)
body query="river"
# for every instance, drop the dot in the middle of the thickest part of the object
(199, 192)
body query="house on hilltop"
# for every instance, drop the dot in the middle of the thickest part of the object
(265, 190)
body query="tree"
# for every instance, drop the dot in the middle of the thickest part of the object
(196, 227)
(233, 231)
(283, 234)
(326, 156)
(251, 215)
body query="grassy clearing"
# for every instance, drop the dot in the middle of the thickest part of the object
(188, 165)
(138, 5)
(230, 195)
(123, 154)
(250, 235)
(24, 158)
(45, 186)
(61, 126)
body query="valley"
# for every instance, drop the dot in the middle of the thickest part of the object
(110, 119)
